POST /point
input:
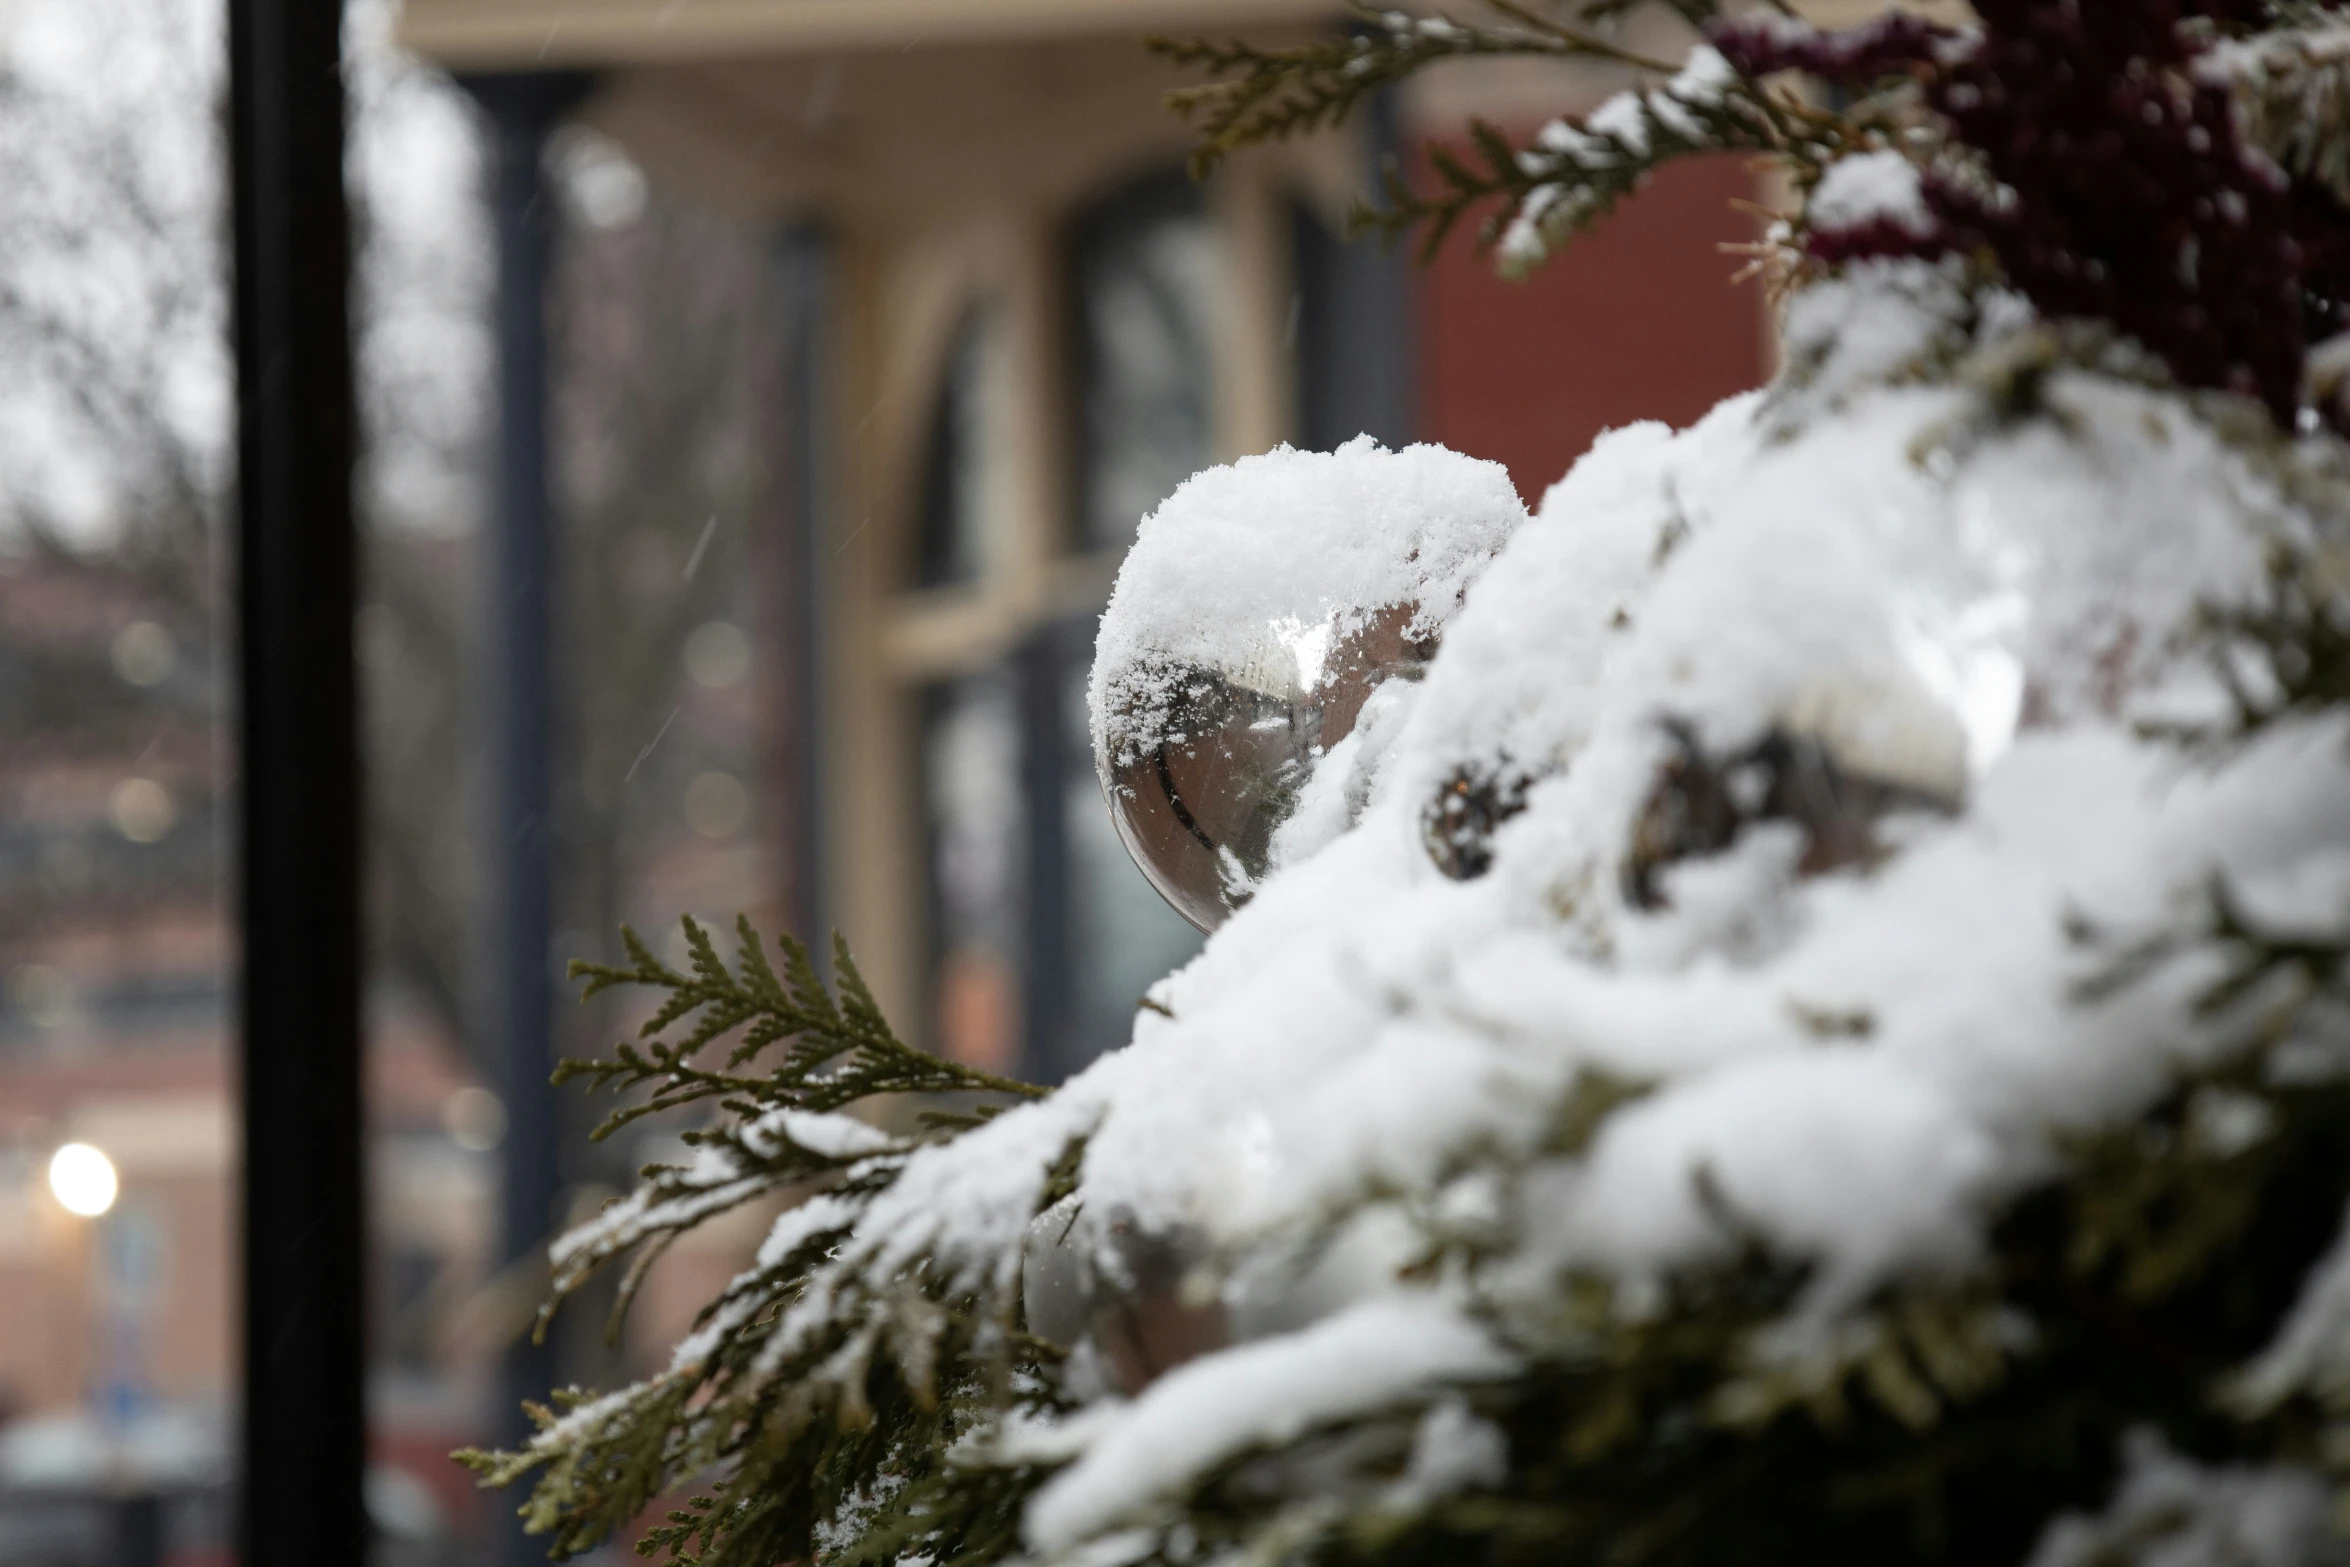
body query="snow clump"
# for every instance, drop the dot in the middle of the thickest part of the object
(1293, 549)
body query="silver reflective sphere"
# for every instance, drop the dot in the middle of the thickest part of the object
(1141, 1297)
(1197, 804)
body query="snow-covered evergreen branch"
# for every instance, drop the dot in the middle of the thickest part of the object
(1861, 1073)
(1573, 172)
(801, 1376)
(1267, 93)
(2294, 88)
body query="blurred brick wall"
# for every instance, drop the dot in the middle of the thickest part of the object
(1636, 320)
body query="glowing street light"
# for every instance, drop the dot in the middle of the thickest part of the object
(83, 1180)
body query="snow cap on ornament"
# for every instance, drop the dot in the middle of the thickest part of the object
(1261, 608)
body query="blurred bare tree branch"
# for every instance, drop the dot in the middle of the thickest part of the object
(115, 460)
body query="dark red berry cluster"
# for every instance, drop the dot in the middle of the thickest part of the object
(2119, 189)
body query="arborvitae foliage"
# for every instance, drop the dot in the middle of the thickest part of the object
(1938, 1427)
(1565, 181)
(786, 1428)
(856, 1398)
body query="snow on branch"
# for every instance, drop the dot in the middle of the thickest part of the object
(2294, 90)
(1266, 94)
(785, 1361)
(1576, 171)
(1573, 172)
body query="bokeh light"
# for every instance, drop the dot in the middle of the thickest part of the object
(83, 1180)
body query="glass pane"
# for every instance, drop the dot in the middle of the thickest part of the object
(1146, 277)
(954, 526)
(1095, 934)
(1124, 937)
(117, 1122)
(974, 816)
(1350, 318)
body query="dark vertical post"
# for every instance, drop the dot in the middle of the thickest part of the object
(1040, 681)
(304, 1349)
(137, 1530)
(519, 604)
(803, 279)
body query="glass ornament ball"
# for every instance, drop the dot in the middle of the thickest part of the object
(1139, 1295)
(1201, 783)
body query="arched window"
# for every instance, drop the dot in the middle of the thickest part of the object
(1144, 265)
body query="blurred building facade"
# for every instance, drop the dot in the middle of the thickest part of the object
(117, 1328)
(941, 321)
(1018, 326)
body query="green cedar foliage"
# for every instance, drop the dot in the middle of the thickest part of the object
(782, 1438)
(843, 1416)
(1942, 1424)
(1561, 185)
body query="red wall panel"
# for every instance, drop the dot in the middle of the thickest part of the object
(1636, 320)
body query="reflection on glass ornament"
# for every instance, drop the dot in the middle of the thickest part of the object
(1200, 783)
(1699, 803)
(1459, 823)
(1237, 701)
(1138, 1296)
